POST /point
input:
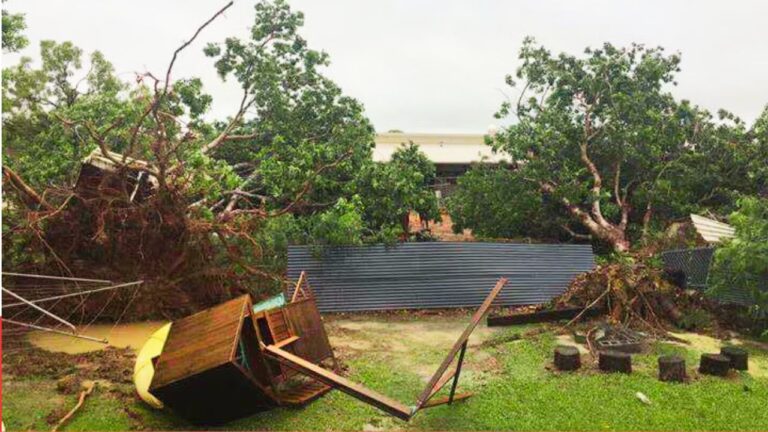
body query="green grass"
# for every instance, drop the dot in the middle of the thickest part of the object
(520, 393)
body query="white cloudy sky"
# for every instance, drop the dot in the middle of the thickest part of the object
(430, 66)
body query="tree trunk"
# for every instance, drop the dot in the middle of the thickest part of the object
(618, 240)
(737, 356)
(615, 361)
(714, 364)
(29, 196)
(593, 220)
(567, 358)
(672, 368)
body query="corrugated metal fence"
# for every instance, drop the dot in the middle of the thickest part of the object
(437, 274)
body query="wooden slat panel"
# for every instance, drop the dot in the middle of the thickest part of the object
(287, 341)
(305, 394)
(313, 344)
(364, 394)
(445, 399)
(476, 318)
(201, 341)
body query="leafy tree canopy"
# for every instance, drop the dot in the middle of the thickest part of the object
(390, 191)
(298, 127)
(497, 202)
(13, 26)
(742, 263)
(602, 136)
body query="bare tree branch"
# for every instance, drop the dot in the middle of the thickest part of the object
(30, 196)
(187, 43)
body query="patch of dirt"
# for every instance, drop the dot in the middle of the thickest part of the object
(568, 339)
(110, 364)
(699, 342)
(758, 367)
(418, 346)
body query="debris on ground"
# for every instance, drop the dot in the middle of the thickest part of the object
(617, 338)
(87, 390)
(635, 295)
(68, 384)
(643, 398)
(201, 378)
(20, 358)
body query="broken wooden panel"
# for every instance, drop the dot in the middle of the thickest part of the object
(211, 366)
(476, 318)
(229, 361)
(303, 394)
(338, 382)
(274, 327)
(313, 343)
(201, 341)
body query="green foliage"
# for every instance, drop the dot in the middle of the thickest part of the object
(742, 263)
(305, 130)
(608, 109)
(13, 26)
(696, 319)
(390, 191)
(497, 202)
(603, 137)
(292, 153)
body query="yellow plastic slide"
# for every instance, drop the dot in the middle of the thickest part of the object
(144, 370)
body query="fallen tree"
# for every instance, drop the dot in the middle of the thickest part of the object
(157, 199)
(635, 295)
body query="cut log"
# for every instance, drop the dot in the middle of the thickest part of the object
(672, 368)
(737, 356)
(542, 316)
(615, 361)
(567, 358)
(714, 364)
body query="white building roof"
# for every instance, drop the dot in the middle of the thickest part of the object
(439, 148)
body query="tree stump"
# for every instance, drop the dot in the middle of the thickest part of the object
(567, 358)
(737, 356)
(714, 364)
(615, 361)
(672, 368)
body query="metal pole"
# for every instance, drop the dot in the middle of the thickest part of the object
(75, 294)
(50, 330)
(56, 277)
(458, 372)
(56, 317)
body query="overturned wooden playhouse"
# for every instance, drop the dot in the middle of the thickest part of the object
(237, 359)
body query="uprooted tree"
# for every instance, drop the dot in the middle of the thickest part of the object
(207, 190)
(602, 137)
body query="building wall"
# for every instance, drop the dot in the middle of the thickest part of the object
(439, 148)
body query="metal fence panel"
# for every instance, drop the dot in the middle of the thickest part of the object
(437, 274)
(696, 263)
(693, 262)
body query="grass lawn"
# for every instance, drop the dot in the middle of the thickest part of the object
(513, 388)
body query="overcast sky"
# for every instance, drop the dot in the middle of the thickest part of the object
(424, 66)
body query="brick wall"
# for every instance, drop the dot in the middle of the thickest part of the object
(443, 230)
